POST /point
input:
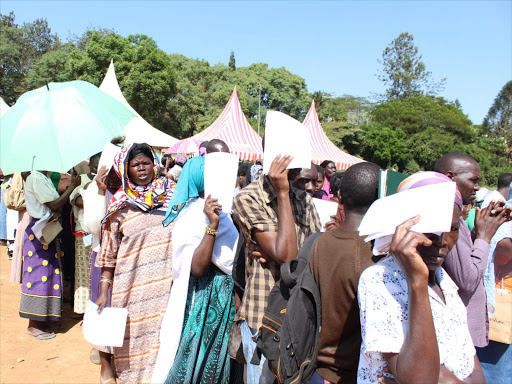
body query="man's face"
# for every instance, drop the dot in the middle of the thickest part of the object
(467, 179)
(306, 180)
(93, 164)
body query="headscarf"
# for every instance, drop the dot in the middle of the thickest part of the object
(191, 182)
(421, 179)
(147, 197)
(254, 171)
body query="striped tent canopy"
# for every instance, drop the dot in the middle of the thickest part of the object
(322, 148)
(233, 128)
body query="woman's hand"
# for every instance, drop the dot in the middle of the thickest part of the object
(404, 248)
(212, 210)
(100, 180)
(102, 301)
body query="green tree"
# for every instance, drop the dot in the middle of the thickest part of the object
(403, 72)
(232, 62)
(144, 72)
(498, 122)
(20, 47)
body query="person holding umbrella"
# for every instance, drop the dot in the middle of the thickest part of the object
(41, 292)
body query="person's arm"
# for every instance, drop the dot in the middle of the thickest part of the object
(280, 246)
(503, 259)
(106, 280)
(420, 343)
(202, 256)
(57, 204)
(466, 266)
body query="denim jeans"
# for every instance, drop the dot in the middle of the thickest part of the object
(496, 361)
(256, 374)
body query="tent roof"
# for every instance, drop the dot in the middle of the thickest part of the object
(233, 128)
(321, 147)
(3, 107)
(137, 130)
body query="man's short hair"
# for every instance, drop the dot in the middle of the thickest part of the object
(360, 186)
(504, 180)
(215, 144)
(451, 161)
(335, 183)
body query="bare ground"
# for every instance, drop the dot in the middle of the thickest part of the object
(24, 359)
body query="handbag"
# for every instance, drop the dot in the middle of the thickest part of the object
(500, 323)
(14, 194)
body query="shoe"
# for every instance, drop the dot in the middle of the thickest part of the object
(94, 357)
(41, 335)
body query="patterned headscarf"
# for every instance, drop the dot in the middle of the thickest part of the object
(189, 185)
(421, 179)
(147, 197)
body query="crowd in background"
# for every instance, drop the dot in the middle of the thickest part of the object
(139, 233)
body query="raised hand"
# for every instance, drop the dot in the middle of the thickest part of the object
(100, 179)
(278, 173)
(489, 219)
(212, 210)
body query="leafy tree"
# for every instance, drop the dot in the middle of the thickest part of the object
(403, 73)
(144, 72)
(498, 122)
(20, 46)
(232, 62)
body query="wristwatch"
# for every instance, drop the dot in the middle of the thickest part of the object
(210, 231)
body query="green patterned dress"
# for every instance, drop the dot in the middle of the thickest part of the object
(202, 355)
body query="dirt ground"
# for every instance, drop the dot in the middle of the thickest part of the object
(24, 359)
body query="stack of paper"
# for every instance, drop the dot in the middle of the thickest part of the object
(434, 203)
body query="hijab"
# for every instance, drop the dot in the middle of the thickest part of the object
(191, 182)
(148, 197)
(421, 179)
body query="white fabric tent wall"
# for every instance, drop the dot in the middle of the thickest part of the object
(138, 130)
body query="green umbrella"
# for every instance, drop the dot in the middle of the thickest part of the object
(57, 126)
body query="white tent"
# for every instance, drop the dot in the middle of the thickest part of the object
(3, 107)
(138, 130)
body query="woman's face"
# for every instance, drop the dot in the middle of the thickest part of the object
(330, 170)
(140, 170)
(435, 254)
(319, 182)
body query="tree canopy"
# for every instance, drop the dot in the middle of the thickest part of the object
(408, 130)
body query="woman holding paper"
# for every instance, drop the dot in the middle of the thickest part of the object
(201, 307)
(41, 291)
(136, 259)
(413, 322)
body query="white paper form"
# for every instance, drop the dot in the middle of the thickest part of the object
(325, 209)
(106, 328)
(107, 156)
(434, 203)
(220, 170)
(286, 136)
(37, 228)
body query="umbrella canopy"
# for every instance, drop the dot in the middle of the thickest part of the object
(185, 146)
(55, 127)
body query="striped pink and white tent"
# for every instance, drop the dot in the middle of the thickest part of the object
(233, 128)
(321, 147)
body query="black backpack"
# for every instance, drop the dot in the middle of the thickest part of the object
(289, 334)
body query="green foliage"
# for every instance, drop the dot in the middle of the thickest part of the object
(403, 72)
(498, 122)
(20, 46)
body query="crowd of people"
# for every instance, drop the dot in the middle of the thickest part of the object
(139, 233)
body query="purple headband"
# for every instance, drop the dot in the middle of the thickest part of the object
(421, 179)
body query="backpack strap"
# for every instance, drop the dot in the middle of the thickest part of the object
(291, 270)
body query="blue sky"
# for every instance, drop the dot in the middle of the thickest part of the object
(333, 45)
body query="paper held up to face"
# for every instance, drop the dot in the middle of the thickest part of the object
(434, 203)
(325, 210)
(286, 136)
(106, 328)
(220, 170)
(107, 156)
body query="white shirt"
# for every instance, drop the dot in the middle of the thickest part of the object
(383, 304)
(39, 190)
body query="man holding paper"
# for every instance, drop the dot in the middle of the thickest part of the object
(275, 218)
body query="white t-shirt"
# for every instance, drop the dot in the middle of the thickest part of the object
(383, 304)
(39, 190)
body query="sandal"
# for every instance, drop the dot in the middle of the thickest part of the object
(41, 335)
